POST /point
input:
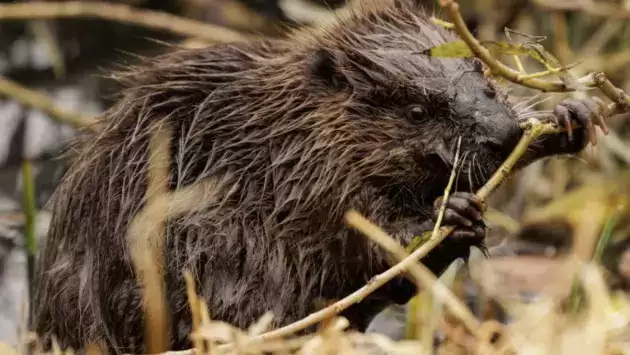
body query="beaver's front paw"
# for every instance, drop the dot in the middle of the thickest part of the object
(464, 211)
(586, 113)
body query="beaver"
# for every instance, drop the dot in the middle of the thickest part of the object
(295, 131)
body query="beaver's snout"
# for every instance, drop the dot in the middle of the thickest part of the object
(499, 131)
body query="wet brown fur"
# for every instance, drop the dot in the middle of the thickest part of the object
(299, 130)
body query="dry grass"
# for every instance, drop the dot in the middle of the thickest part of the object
(540, 327)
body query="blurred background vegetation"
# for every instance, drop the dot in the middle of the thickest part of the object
(68, 60)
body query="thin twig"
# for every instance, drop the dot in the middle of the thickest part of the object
(422, 276)
(500, 219)
(147, 249)
(43, 32)
(30, 211)
(120, 13)
(436, 228)
(459, 26)
(535, 131)
(598, 79)
(193, 301)
(143, 232)
(306, 12)
(41, 102)
(447, 192)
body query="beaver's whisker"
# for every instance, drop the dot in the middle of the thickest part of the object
(528, 107)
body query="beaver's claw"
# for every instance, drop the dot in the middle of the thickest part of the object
(464, 211)
(587, 113)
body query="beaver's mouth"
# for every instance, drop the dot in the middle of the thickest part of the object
(471, 172)
(445, 153)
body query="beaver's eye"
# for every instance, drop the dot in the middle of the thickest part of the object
(490, 91)
(478, 65)
(416, 113)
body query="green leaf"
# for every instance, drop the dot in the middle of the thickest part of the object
(456, 49)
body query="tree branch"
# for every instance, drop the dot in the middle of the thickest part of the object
(120, 13)
(598, 79)
(41, 102)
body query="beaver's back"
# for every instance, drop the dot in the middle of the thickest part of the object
(259, 250)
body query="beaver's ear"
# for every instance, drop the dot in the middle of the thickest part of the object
(324, 67)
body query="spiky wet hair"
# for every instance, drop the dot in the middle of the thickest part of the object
(297, 131)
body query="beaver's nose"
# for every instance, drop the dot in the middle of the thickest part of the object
(498, 131)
